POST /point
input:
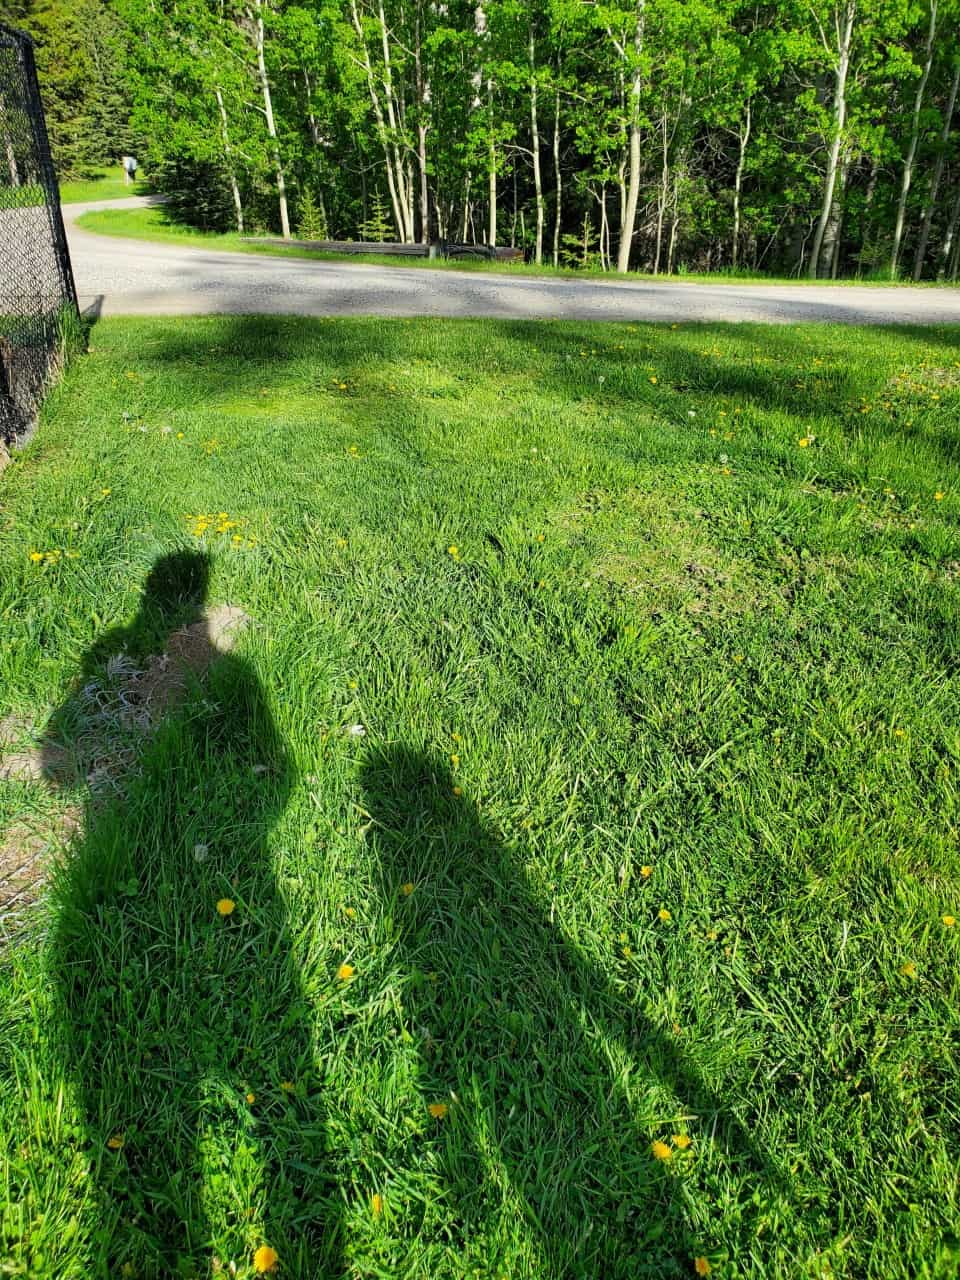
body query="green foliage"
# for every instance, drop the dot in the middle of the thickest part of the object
(311, 224)
(359, 90)
(377, 227)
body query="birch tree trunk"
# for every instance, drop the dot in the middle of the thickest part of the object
(8, 145)
(317, 142)
(629, 218)
(914, 139)
(271, 124)
(839, 120)
(492, 181)
(949, 237)
(228, 155)
(931, 202)
(662, 197)
(535, 150)
(403, 178)
(559, 178)
(830, 249)
(744, 137)
(423, 107)
(381, 124)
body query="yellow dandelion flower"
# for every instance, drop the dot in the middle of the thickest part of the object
(226, 906)
(179, 435)
(541, 537)
(453, 551)
(352, 684)
(438, 1110)
(458, 791)
(407, 888)
(105, 493)
(350, 913)
(342, 386)
(646, 871)
(681, 1141)
(702, 1267)
(627, 953)
(287, 1086)
(653, 379)
(265, 1259)
(455, 760)
(115, 1142)
(251, 1098)
(345, 972)
(376, 1204)
(938, 496)
(36, 556)
(660, 1151)
(664, 915)
(949, 921)
(803, 442)
(909, 970)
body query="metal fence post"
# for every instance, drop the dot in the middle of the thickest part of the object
(38, 295)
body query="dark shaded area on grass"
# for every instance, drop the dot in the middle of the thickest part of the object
(543, 1065)
(171, 1012)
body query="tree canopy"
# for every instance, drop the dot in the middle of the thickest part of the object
(797, 136)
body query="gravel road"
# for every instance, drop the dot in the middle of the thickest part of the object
(135, 277)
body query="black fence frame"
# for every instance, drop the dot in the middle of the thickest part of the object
(39, 315)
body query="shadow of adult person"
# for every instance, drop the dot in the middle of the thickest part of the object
(549, 1086)
(178, 1000)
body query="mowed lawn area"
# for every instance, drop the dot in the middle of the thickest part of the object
(558, 878)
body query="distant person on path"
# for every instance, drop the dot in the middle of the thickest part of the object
(130, 167)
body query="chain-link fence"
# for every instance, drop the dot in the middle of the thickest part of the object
(38, 300)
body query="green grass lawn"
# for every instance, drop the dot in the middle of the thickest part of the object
(155, 224)
(600, 713)
(108, 184)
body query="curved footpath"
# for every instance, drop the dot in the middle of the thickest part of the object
(137, 277)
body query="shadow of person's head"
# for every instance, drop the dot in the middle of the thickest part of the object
(174, 595)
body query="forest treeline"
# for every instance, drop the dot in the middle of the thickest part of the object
(814, 137)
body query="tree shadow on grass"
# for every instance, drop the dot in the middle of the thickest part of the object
(184, 1028)
(556, 1086)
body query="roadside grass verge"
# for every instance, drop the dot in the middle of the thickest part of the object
(108, 184)
(599, 712)
(156, 224)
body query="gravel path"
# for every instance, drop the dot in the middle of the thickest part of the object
(135, 277)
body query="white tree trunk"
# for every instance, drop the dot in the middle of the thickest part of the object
(949, 237)
(629, 217)
(839, 120)
(931, 203)
(403, 177)
(271, 124)
(535, 148)
(492, 192)
(559, 180)
(744, 137)
(382, 133)
(914, 139)
(228, 154)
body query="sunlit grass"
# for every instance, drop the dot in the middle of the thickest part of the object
(108, 184)
(585, 788)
